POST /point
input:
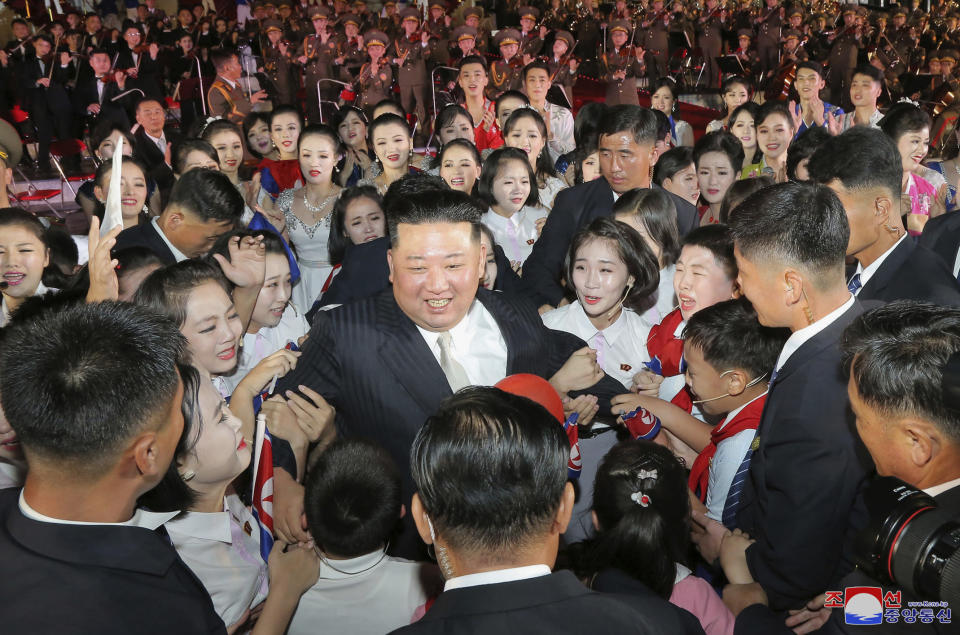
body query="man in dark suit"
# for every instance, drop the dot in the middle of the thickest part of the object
(98, 416)
(628, 153)
(97, 96)
(385, 363)
(903, 388)
(862, 166)
(493, 498)
(151, 142)
(43, 93)
(203, 205)
(941, 235)
(800, 486)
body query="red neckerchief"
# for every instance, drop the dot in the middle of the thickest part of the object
(662, 344)
(746, 419)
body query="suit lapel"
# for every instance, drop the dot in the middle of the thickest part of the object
(507, 319)
(405, 354)
(824, 339)
(889, 268)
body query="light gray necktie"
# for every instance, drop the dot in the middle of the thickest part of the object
(456, 375)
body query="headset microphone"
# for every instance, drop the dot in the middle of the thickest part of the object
(617, 306)
(753, 382)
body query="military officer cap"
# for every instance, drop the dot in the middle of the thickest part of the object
(849, 8)
(791, 34)
(350, 19)
(795, 10)
(473, 11)
(410, 13)
(620, 25)
(437, 3)
(565, 36)
(899, 11)
(375, 38)
(315, 12)
(464, 33)
(948, 54)
(529, 13)
(11, 147)
(745, 33)
(507, 36)
(272, 25)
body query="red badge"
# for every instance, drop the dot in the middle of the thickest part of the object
(625, 367)
(247, 528)
(531, 241)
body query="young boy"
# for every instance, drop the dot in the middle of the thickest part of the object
(352, 506)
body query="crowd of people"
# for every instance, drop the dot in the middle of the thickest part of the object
(336, 354)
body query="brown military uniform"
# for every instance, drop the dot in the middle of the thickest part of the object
(230, 103)
(621, 91)
(412, 69)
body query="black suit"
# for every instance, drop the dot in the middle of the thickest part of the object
(941, 235)
(664, 614)
(912, 272)
(147, 150)
(760, 620)
(363, 273)
(801, 500)
(573, 209)
(86, 93)
(370, 362)
(61, 578)
(557, 603)
(49, 107)
(145, 235)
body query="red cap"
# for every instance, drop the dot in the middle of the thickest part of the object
(536, 389)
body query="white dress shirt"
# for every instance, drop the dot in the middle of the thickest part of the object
(936, 490)
(561, 127)
(477, 344)
(179, 255)
(516, 234)
(725, 463)
(370, 594)
(623, 348)
(141, 518)
(223, 551)
(799, 338)
(867, 272)
(497, 577)
(160, 142)
(267, 341)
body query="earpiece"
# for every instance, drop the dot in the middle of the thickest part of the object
(616, 306)
(433, 534)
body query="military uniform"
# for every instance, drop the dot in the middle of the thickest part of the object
(374, 85)
(229, 102)
(351, 49)
(768, 37)
(278, 67)
(710, 39)
(440, 32)
(411, 55)
(656, 37)
(465, 40)
(621, 91)
(530, 42)
(475, 15)
(560, 68)
(843, 59)
(506, 75)
(320, 51)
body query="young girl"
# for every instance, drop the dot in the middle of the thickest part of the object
(736, 91)
(357, 218)
(506, 185)
(526, 130)
(641, 511)
(134, 265)
(612, 271)
(256, 130)
(392, 143)
(307, 211)
(274, 323)
(227, 140)
(664, 99)
(188, 154)
(460, 163)
(909, 127)
(717, 157)
(282, 173)
(216, 535)
(452, 122)
(742, 127)
(23, 256)
(653, 215)
(351, 124)
(676, 173)
(775, 130)
(103, 140)
(133, 190)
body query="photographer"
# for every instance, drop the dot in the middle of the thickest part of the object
(904, 367)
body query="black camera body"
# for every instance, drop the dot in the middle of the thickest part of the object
(910, 541)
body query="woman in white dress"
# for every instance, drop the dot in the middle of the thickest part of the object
(664, 99)
(307, 211)
(526, 130)
(227, 139)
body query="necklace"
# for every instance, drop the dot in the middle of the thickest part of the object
(316, 210)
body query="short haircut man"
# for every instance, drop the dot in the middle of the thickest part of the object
(94, 395)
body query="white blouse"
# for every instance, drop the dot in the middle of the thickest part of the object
(516, 234)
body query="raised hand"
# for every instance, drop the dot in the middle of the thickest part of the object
(247, 264)
(101, 266)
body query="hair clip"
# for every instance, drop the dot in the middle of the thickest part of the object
(907, 100)
(640, 499)
(642, 474)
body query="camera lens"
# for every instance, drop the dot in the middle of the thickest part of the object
(910, 542)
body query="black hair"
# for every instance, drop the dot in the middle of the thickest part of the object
(272, 242)
(870, 71)
(816, 67)
(657, 212)
(132, 259)
(738, 191)
(389, 103)
(480, 437)
(753, 109)
(285, 110)
(632, 250)
(770, 108)
(322, 130)
(104, 129)
(508, 94)
(642, 505)
(207, 194)
(492, 166)
(903, 118)
(668, 83)
(664, 129)
(805, 146)
(448, 114)
(717, 240)
(248, 123)
(80, 381)
(105, 168)
(460, 143)
(386, 119)
(338, 241)
(19, 217)
(473, 59)
(860, 158)
(182, 149)
(64, 257)
(167, 290)
(730, 337)
(719, 141)
(544, 164)
(640, 122)
(535, 65)
(797, 224)
(352, 498)
(586, 124)
(898, 354)
(341, 116)
(429, 205)
(212, 129)
(734, 80)
(671, 162)
(221, 56)
(581, 154)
